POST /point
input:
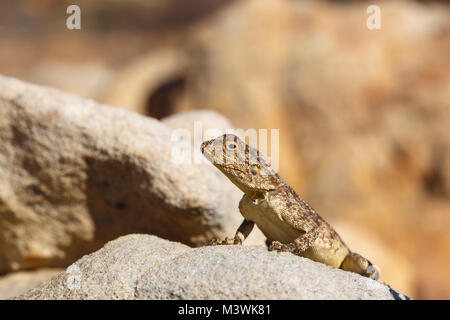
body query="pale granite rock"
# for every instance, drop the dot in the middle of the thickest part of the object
(147, 267)
(75, 174)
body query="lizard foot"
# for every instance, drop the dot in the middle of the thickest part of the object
(227, 241)
(280, 247)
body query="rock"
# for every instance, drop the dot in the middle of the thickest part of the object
(146, 267)
(16, 283)
(150, 84)
(75, 174)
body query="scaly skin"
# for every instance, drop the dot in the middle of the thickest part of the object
(288, 222)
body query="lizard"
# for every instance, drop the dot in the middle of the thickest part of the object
(289, 223)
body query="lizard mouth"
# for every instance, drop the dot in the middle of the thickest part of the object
(203, 146)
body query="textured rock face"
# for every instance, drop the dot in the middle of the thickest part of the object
(74, 174)
(146, 267)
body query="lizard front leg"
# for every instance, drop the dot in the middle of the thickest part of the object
(241, 234)
(298, 246)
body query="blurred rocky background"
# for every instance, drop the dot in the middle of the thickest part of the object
(363, 116)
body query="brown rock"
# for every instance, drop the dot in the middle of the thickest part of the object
(75, 174)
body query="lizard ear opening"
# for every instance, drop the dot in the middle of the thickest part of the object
(255, 170)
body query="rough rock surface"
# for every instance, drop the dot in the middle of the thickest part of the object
(75, 174)
(16, 283)
(147, 267)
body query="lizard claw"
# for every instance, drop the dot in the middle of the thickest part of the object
(227, 241)
(276, 246)
(213, 242)
(282, 247)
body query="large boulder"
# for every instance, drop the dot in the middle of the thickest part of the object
(147, 267)
(75, 174)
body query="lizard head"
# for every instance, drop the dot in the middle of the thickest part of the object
(242, 164)
(356, 263)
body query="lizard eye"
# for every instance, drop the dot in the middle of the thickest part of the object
(254, 170)
(231, 145)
